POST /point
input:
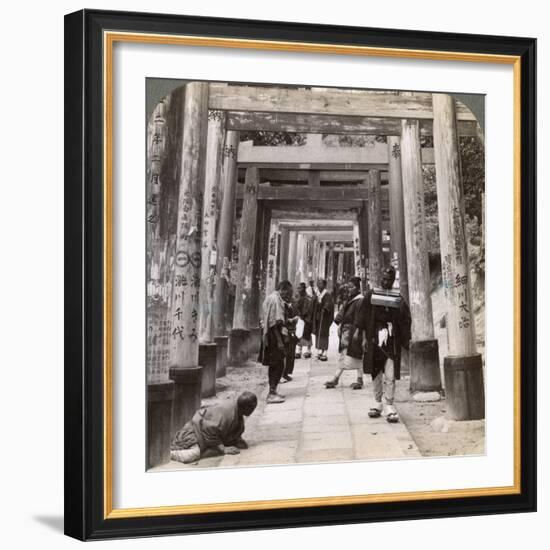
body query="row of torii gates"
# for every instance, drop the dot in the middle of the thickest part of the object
(302, 209)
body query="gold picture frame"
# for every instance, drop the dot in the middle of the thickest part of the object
(101, 33)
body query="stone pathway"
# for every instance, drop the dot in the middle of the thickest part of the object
(316, 424)
(319, 425)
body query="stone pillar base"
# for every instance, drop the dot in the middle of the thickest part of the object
(221, 359)
(238, 347)
(464, 388)
(160, 400)
(405, 362)
(424, 366)
(207, 359)
(187, 394)
(254, 343)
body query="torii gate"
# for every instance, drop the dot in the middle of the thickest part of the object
(212, 115)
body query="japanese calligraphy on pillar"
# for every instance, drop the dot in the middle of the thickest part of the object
(158, 287)
(211, 214)
(272, 258)
(357, 251)
(454, 252)
(188, 257)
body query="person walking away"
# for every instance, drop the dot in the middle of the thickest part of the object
(215, 428)
(323, 318)
(274, 332)
(351, 335)
(388, 328)
(304, 309)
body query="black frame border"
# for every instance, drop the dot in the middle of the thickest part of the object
(84, 489)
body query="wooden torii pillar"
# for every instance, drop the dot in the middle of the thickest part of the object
(184, 353)
(292, 257)
(398, 249)
(258, 274)
(397, 214)
(209, 273)
(239, 337)
(463, 367)
(363, 221)
(301, 259)
(228, 191)
(330, 267)
(284, 255)
(309, 258)
(340, 268)
(376, 257)
(322, 260)
(160, 391)
(424, 350)
(264, 259)
(273, 246)
(315, 259)
(357, 250)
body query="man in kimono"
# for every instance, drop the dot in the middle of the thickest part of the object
(275, 337)
(351, 333)
(323, 318)
(215, 428)
(387, 322)
(304, 309)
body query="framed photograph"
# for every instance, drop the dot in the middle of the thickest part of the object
(300, 274)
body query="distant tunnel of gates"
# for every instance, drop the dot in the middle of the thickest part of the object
(227, 220)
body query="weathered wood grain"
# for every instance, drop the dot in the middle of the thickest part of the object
(377, 154)
(250, 121)
(326, 101)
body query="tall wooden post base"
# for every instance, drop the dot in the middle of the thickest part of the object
(254, 342)
(424, 366)
(160, 400)
(238, 347)
(207, 359)
(187, 394)
(221, 355)
(405, 362)
(464, 390)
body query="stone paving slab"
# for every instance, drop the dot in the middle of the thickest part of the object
(291, 404)
(272, 452)
(335, 424)
(293, 386)
(274, 415)
(328, 409)
(275, 432)
(379, 439)
(325, 455)
(320, 440)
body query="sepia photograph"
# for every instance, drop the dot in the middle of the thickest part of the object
(315, 274)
